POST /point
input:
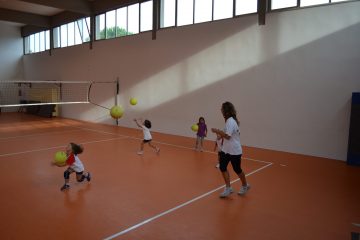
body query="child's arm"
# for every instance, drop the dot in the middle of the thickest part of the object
(220, 133)
(137, 123)
(70, 160)
(58, 164)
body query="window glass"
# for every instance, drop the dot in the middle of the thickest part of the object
(36, 42)
(110, 24)
(56, 37)
(245, 7)
(133, 19)
(47, 40)
(100, 27)
(71, 34)
(185, 12)
(203, 11)
(146, 16)
(167, 13)
(79, 29)
(223, 9)
(86, 30)
(121, 22)
(277, 4)
(42, 41)
(63, 35)
(304, 3)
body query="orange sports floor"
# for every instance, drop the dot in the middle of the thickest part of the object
(171, 196)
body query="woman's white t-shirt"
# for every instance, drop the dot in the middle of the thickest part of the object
(147, 134)
(232, 146)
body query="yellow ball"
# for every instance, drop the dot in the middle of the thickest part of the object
(60, 157)
(195, 127)
(116, 112)
(133, 101)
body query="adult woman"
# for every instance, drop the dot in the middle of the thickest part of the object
(231, 149)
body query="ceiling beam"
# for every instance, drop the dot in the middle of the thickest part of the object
(77, 6)
(101, 6)
(65, 17)
(25, 18)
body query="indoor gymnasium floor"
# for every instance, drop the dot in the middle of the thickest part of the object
(173, 195)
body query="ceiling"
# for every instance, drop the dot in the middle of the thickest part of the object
(44, 14)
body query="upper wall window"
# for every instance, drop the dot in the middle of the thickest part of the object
(203, 11)
(223, 9)
(304, 3)
(124, 21)
(185, 12)
(121, 22)
(146, 16)
(133, 19)
(111, 24)
(37, 42)
(245, 7)
(277, 4)
(73, 33)
(167, 13)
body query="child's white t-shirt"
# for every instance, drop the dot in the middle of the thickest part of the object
(232, 146)
(77, 166)
(147, 134)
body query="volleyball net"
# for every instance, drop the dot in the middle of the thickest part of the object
(20, 93)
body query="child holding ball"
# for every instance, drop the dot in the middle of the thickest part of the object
(201, 134)
(74, 165)
(146, 125)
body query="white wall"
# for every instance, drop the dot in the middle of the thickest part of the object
(11, 53)
(290, 80)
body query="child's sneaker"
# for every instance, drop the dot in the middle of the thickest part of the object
(244, 189)
(227, 191)
(140, 152)
(157, 150)
(64, 187)
(88, 177)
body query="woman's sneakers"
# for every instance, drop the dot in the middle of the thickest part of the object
(227, 191)
(244, 189)
(63, 188)
(88, 177)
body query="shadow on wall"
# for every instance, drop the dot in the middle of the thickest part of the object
(301, 94)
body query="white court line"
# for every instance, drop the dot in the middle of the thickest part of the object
(163, 213)
(179, 206)
(120, 136)
(168, 144)
(45, 149)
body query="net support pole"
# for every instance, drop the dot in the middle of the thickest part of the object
(116, 96)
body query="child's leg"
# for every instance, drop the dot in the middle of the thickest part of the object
(201, 143)
(67, 178)
(80, 176)
(154, 147)
(197, 143)
(141, 151)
